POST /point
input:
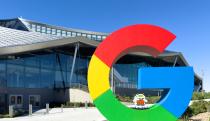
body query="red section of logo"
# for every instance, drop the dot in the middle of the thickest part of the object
(146, 38)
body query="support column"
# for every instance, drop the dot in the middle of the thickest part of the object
(112, 80)
(175, 61)
(73, 63)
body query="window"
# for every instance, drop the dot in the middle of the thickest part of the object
(47, 70)
(38, 28)
(43, 29)
(33, 27)
(89, 36)
(69, 34)
(73, 34)
(104, 37)
(58, 32)
(15, 75)
(93, 37)
(12, 100)
(81, 70)
(47, 61)
(2, 101)
(61, 67)
(84, 35)
(79, 34)
(19, 100)
(34, 100)
(47, 78)
(2, 74)
(16, 60)
(130, 71)
(32, 77)
(63, 33)
(32, 61)
(32, 69)
(16, 100)
(99, 38)
(53, 31)
(48, 30)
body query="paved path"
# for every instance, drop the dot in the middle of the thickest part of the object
(202, 117)
(68, 114)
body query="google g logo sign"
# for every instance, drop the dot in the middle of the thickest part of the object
(142, 38)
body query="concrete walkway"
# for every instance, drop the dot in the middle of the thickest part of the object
(68, 114)
(202, 117)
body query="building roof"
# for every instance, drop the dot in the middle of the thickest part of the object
(13, 41)
(12, 37)
(27, 27)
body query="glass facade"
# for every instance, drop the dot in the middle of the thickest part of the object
(2, 74)
(128, 74)
(130, 70)
(53, 70)
(43, 71)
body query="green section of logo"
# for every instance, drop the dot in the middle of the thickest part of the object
(114, 110)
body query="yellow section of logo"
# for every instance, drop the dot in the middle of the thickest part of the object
(98, 77)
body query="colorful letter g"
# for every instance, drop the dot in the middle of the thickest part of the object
(142, 38)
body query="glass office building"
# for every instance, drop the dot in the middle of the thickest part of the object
(40, 63)
(42, 71)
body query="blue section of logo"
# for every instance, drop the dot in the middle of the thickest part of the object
(179, 81)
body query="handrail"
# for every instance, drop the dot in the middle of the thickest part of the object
(73, 86)
(79, 86)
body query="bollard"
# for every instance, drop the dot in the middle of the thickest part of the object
(30, 110)
(11, 111)
(62, 108)
(86, 104)
(47, 108)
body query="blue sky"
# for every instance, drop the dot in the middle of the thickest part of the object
(188, 19)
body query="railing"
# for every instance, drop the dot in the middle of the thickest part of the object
(59, 85)
(121, 81)
(119, 76)
(126, 85)
(79, 86)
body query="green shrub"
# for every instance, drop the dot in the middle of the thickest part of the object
(197, 96)
(69, 104)
(194, 109)
(124, 98)
(200, 95)
(207, 95)
(199, 107)
(77, 104)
